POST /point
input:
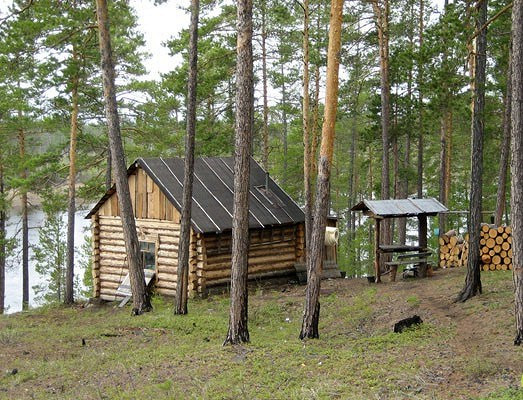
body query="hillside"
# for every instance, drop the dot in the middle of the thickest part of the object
(462, 351)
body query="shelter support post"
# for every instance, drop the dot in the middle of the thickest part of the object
(422, 240)
(377, 272)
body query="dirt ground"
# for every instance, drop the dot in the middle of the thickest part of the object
(462, 351)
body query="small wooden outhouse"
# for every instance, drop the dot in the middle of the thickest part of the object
(276, 223)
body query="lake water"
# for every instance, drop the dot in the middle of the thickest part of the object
(13, 284)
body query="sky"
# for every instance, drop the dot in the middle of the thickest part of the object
(159, 24)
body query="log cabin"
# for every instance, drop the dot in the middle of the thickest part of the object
(276, 227)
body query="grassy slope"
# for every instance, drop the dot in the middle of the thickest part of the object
(462, 351)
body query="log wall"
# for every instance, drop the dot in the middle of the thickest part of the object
(112, 265)
(272, 252)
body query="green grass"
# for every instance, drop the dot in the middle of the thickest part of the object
(162, 356)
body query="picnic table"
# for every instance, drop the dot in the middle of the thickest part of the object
(412, 256)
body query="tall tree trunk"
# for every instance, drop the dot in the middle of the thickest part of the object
(141, 301)
(238, 330)
(350, 195)
(2, 238)
(263, 7)
(311, 314)
(442, 168)
(108, 171)
(71, 208)
(419, 182)
(516, 165)
(284, 122)
(25, 223)
(473, 279)
(188, 175)
(315, 131)
(448, 153)
(505, 149)
(307, 156)
(381, 11)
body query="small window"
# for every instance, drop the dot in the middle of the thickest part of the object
(148, 252)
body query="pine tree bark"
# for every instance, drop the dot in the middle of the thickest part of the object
(443, 166)
(285, 125)
(71, 208)
(141, 301)
(25, 224)
(311, 314)
(505, 149)
(307, 155)
(473, 280)
(419, 181)
(381, 11)
(516, 165)
(265, 160)
(2, 238)
(238, 330)
(351, 231)
(185, 223)
(315, 131)
(108, 171)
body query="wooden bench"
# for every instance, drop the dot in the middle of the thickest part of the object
(414, 259)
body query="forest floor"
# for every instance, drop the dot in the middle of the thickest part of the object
(461, 351)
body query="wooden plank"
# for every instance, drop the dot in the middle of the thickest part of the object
(162, 205)
(132, 191)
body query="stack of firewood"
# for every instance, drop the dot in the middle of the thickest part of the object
(454, 250)
(496, 247)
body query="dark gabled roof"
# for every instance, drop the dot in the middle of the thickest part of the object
(212, 205)
(400, 207)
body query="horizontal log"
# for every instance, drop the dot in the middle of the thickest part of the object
(166, 277)
(172, 270)
(162, 284)
(289, 257)
(108, 235)
(149, 222)
(166, 291)
(286, 272)
(253, 269)
(253, 253)
(105, 284)
(167, 262)
(168, 247)
(112, 269)
(119, 257)
(112, 249)
(113, 278)
(108, 231)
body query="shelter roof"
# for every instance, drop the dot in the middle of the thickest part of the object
(212, 205)
(400, 207)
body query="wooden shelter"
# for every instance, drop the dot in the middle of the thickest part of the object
(399, 208)
(276, 223)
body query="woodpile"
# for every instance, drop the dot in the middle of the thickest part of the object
(495, 248)
(454, 250)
